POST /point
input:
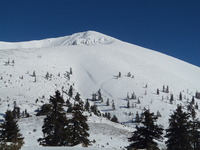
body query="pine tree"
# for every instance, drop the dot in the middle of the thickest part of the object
(34, 75)
(128, 104)
(114, 119)
(70, 92)
(44, 110)
(144, 137)
(47, 75)
(87, 105)
(178, 132)
(16, 112)
(171, 98)
(78, 127)
(157, 92)
(167, 89)
(10, 133)
(137, 118)
(113, 106)
(194, 130)
(193, 100)
(77, 97)
(107, 102)
(180, 96)
(55, 123)
(163, 88)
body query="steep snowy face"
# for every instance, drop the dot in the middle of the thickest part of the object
(82, 38)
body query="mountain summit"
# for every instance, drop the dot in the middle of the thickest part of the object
(81, 38)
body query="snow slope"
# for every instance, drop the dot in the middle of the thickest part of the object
(96, 60)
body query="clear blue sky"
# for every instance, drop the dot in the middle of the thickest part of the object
(169, 26)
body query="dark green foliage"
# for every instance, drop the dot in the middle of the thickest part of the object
(68, 103)
(87, 105)
(16, 112)
(193, 100)
(70, 71)
(167, 89)
(157, 92)
(44, 110)
(114, 119)
(95, 110)
(180, 96)
(78, 127)
(196, 106)
(113, 106)
(171, 98)
(107, 102)
(128, 104)
(197, 95)
(178, 132)
(194, 130)
(77, 97)
(70, 108)
(55, 123)
(119, 75)
(10, 133)
(70, 92)
(145, 135)
(137, 118)
(99, 95)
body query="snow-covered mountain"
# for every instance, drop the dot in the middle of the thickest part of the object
(96, 60)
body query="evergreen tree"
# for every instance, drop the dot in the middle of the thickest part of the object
(16, 112)
(70, 71)
(34, 75)
(99, 95)
(78, 127)
(167, 89)
(163, 88)
(55, 123)
(144, 137)
(47, 75)
(194, 131)
(70, 92)
(128, 104)
(77, 97)
(193, 100)
(87, 105)
(119, 75)
(107, 102)
(113, 106)
(95, 110)
(108, 116)
(178, 132)
(171, 98)
(180, 96)
(68, 103)
(157, 92)
(114, 119)
(44, 110)
(10, 133)
(137, 118)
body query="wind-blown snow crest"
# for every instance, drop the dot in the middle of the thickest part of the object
(82, 38)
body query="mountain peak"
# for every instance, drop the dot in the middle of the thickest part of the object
(81, 38)
(90, 38)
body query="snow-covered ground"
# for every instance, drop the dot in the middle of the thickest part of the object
(106, 134)
(96, 61)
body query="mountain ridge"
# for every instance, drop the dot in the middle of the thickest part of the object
(81, 38)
